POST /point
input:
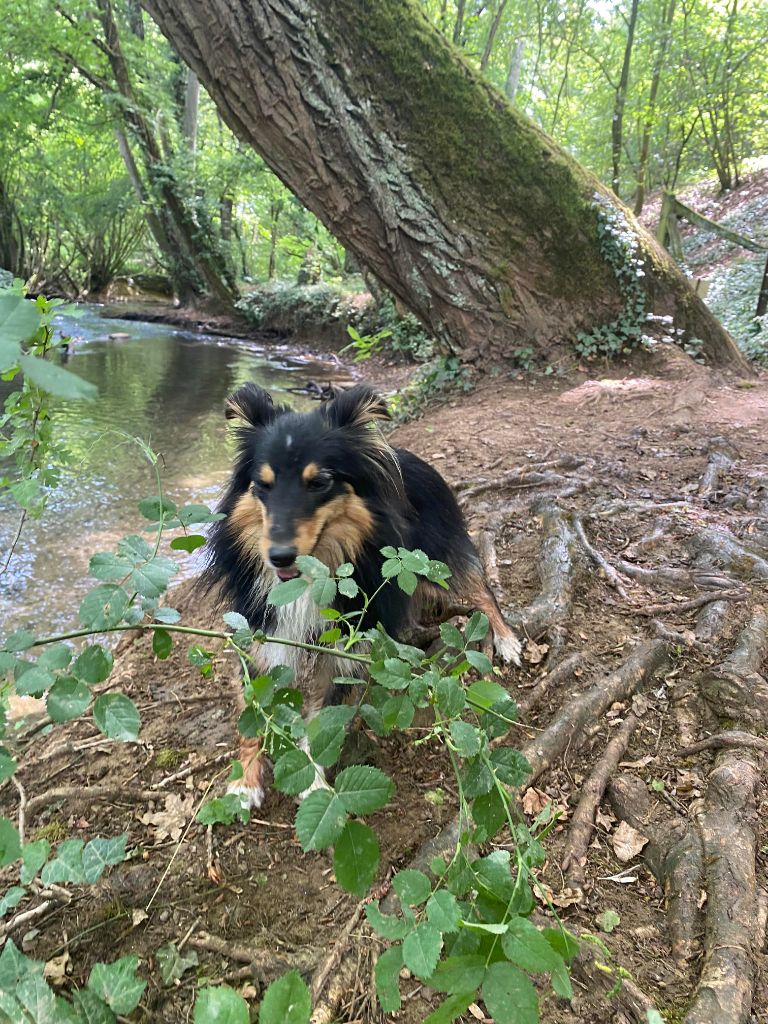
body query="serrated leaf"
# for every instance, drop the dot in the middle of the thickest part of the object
(356, 858)
(451, 1008)
(329, 636)
(387, 975)
(93, 665)
(510, 766)
(167, 615)
(174, 964)
(196, 515)
(323, 592)
(100, 854)
(19, 319)
(451, 637)
(392, 673)
(489, 812)
(67, 698)
(294, 772)
(407, 581)
(156, 508)
(34, 994)
(391, 567)
(91, 1009)
(363, 789)
(57, 656)
(10, 844)
(320, 820)
(509, 996)
(56, 380)
(484, 693)
(288, 592)
(526, 947)
(312, 567)
(117, 984)
(31, 680)
(236, 621)
(443, 911)
(450, 696)
(152, 578)
(21, 640)
(387, 925)
(117, 716)
(397, 712)
(466, 738)
(479, 661)
(104, 607)
(421, 949)
(108, 566)
(348, 587)
(162, 643)
(327, 732)
(476, 628)
(412, 886)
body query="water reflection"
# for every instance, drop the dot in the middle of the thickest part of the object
(163, 385)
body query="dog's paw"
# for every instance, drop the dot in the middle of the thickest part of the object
(251, 797)
(508, 648)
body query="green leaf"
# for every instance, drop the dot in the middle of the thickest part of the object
(37, 999)
(607, 921)
(236, 621)
(162, 643)
(443, 911)
(450, 696)
(323, 592)
(21, 640)
(196, 515)
(489, 812)
(348, 587)
(67, 698)
(104, 607)
(476, 778)
(31, 680)
(345, 569)
(356, 858)
(563, 942)
(156, 508)
(152, 578)
(91, 1009)
(527, 947)
(93, 665)
(55, 657)
(67, 865)
(363, 789)
(391, 567)
(387, 975)
(167, 615)
(117, 716)
(7, 764)
(451, 637)
(421, 949)
(19, 319)
(14, 966)
(387, 925)
(397, 712)
(485, 693)
(11, 899)
(223, 810)
(509, 996)
(294, 772)
(320, 820)
(108, 566)
(479, 661)
(407, 581)
(33, 855)
(313, 567)
(286, 1001)
(189, 542)
(392, 673)
(100, 854)
(476, 628)
(451, 1008)
(288, 592)
(510, 766)
(413, 887)
(327, 732)
(117, 984)
(466, 738)
(10, 844)
(329, 636)
(174, 964)
(55, 379)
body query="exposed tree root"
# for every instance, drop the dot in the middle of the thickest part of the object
(630, 1001)
(718, 462)
(535, 474)
(265, 964)
(583, 820)
(642, 664)
(674, 855)
(551, 610)
(695, 602)
(727, 825)
(710, 620)
(736, 689)
(612, 577)
(732, 738)
(723, 549)
(560, 674)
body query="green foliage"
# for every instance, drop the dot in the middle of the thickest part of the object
(619, 247)
(732, 297)
(435, 381)
(286, 306)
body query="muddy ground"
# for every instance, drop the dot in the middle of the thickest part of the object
(640, 442)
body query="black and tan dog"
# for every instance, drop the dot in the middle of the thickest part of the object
(326, 483)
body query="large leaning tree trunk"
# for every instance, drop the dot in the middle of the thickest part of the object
(470, 214)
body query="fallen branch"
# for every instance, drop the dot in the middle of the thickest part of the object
(612, 577)
(674, 856)
(583, 820)
(266, 964)
(560, 674)
(732, 738)
(95, 793)
(694, 602)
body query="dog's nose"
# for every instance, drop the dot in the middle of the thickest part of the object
(282, 557)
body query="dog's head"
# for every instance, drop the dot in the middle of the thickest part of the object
(309, 483)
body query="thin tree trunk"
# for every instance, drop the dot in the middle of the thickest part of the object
(466, 211)
(458, 25)
(762, 299)
(491, 37)
(191, 103)
(617, 124)
(645, 145)
(515, 68)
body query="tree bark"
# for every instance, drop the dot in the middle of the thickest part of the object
(463, 208)
(658, 65)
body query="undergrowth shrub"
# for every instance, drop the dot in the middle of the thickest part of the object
(732, 297)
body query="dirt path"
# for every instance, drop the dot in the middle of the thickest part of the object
(626, 524)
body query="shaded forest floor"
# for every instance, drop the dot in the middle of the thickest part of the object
(660, 473)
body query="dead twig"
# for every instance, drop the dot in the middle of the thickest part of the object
(97, 794)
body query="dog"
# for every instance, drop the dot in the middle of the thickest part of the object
(326, 483)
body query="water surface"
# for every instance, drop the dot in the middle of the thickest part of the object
(164, 385)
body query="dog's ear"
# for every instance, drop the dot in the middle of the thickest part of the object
(250, 404)
(356, 407)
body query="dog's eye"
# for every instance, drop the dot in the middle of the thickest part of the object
(320, 482)
(261, 487)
